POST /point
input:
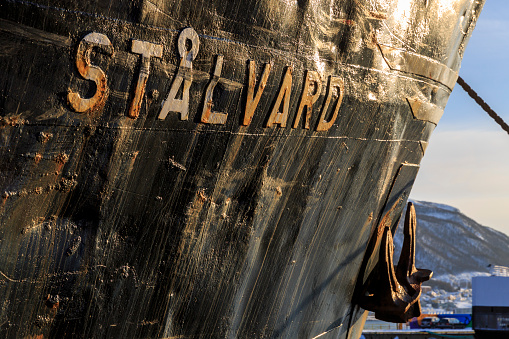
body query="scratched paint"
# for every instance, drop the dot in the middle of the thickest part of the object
(167, 193)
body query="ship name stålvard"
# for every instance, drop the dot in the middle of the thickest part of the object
(188, 46)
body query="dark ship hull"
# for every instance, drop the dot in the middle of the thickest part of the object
(223, 180)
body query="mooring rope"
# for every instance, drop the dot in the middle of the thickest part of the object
(483, 104)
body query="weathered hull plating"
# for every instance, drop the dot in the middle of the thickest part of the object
(219, 181)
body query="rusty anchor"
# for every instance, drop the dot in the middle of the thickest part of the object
(393, 292)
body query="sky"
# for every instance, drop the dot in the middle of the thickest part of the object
(466, 164)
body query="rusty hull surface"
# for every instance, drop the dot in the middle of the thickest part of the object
(250, 216)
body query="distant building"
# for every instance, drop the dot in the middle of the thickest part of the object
(500, 271)
(490, 307)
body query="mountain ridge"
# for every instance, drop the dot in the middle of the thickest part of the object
(450, 243)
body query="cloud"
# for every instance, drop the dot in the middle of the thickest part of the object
(468, 169)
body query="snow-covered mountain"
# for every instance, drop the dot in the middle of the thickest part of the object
(454, 246)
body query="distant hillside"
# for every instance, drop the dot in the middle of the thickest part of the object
(450, 243)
